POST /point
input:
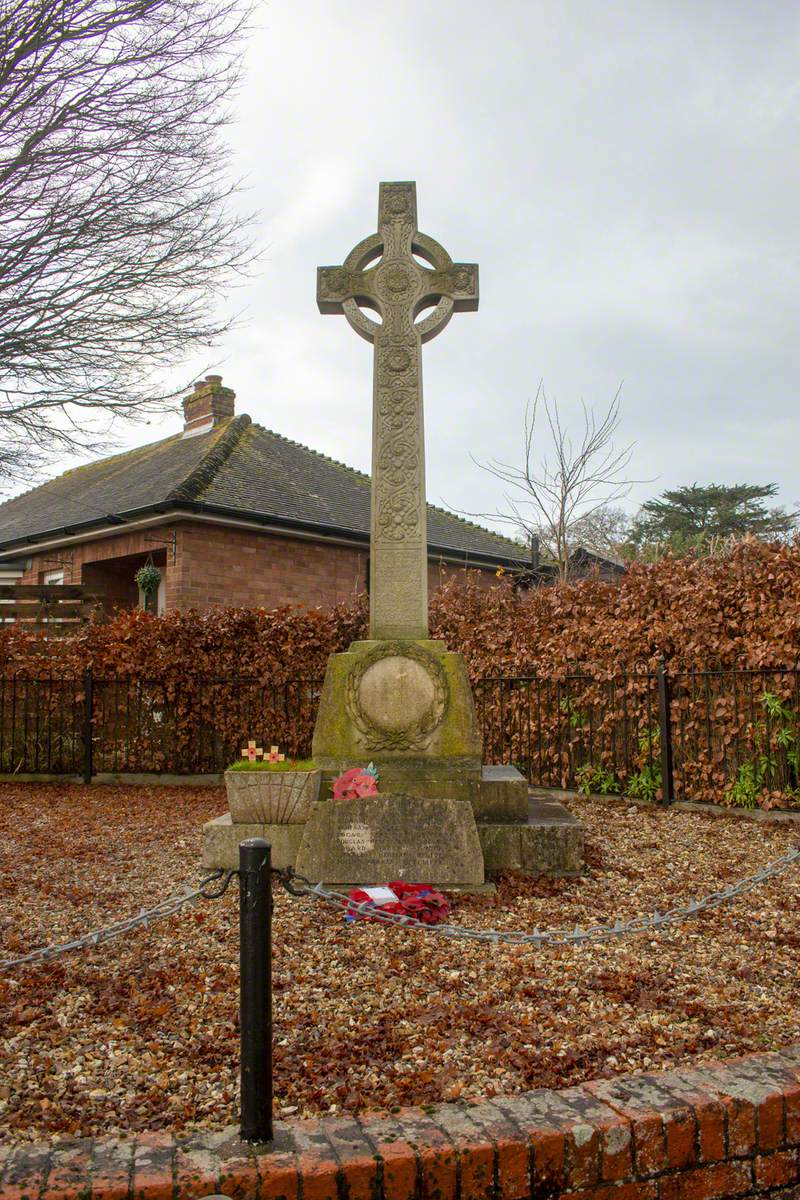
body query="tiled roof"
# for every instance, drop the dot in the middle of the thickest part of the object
(237, 467)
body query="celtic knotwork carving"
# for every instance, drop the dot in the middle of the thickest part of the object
(464, 279)
(397, 407)
(416, 735)
(337, 283)
(397, 202)
(400, 282)
(461, 277)
(394, 281)
(398, 513)
(397, 466)
(398, 455)
(398, 360)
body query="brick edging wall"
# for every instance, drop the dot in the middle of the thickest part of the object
(711, 1132)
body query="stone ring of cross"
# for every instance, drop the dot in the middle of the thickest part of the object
(384, 273)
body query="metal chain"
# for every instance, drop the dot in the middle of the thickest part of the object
(298, 885)
(159, 912)
(555, 937)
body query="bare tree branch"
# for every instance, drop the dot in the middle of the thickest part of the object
(555, 497)
(118, 231)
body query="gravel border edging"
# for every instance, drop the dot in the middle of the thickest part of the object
(787, 816)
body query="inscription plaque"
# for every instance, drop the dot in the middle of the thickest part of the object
(419, 840)
(399, 596)
(397, 696)
(396, 692)
(357, 838)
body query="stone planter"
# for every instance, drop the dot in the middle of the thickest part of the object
(271, 797)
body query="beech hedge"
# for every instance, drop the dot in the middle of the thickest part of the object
(596, 644)
(738, 610)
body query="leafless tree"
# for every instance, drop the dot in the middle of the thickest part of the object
(118, 231)
(555, 495)
(607, 529)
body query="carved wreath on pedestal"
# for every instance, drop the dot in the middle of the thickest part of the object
(417, 734)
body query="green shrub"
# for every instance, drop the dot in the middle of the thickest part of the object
(596, 779)
(644, 784)
(754, 777)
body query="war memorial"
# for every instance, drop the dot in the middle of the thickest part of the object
(400, 699)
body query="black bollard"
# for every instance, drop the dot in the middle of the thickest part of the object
(255, 997)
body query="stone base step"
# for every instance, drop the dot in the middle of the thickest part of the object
(501, 794)
(550, 842)
(496, 793)
(221, 842)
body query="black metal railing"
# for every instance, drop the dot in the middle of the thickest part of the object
(572, 731)
(51, 725)
(730, 735)
(42, 726)
(653, 735)
(737, 731)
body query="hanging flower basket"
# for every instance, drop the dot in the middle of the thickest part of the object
(147, 578)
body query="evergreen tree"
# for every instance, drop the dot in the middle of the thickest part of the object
(689, 517)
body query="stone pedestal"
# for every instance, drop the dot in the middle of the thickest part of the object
(402, 702)
(548, 842)
(407, 706)
(394, 836)
(441, 817)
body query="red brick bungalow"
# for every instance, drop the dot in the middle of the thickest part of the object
(230, 512)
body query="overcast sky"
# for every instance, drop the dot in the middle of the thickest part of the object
(628, 178)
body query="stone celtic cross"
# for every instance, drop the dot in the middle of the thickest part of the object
(383, 274)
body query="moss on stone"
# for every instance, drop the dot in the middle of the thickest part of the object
(336, 738)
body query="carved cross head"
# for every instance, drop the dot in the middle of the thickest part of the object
(385, 275)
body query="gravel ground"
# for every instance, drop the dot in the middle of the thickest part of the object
(142, 1033)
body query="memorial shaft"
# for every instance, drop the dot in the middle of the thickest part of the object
(382, 274)
(398, 516)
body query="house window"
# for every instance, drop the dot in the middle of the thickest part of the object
(53, 576)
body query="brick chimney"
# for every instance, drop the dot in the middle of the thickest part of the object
(208, 405)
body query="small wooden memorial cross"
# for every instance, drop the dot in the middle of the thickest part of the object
(252, 752)
(383, 273)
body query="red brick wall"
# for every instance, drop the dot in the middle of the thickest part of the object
(113, 579)
(440, 572)
(221, 565)
(108, 564)
(711, 1132)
